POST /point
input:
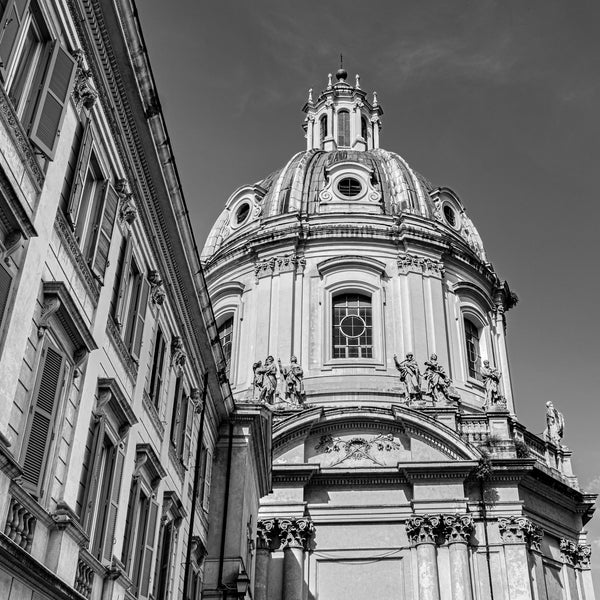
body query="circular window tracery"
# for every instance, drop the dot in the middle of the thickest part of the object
(242, 213)
(352, 326)
(349, 187)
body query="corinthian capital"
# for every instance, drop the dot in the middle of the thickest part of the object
(296, 533)
(516, 530)
(458, 528)
(267, 534)
(584, 552)
(423, 529)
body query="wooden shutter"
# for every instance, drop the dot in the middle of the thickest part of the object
(100, 260)
(92, 482)
(207, 476)
(9, 28)
(132, 506)
(120, 311)
(115, 490)
(140, 317)
(85, 151)
(176, 416)
(53, 100)
(149, 549)
(5, 285)
(187, 432)
(42, 412)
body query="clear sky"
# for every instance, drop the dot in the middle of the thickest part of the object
(497, 100)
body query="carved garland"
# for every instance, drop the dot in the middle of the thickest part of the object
(516, 530)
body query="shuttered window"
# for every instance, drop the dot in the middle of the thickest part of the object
(81, 172)
(51, 107)
(123, 281)
(177, 416)
(5, 288)
(163, 563)
(207, 476)
(12, 20)
(139, 290)
(105, 225)
(344, 128)
(158, 360)
(39, 433)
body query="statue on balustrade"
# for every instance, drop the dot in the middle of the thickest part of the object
(555, 424)
(265, 380)
(410, 376)
(491, 380)
(294, 381)
(438, 383)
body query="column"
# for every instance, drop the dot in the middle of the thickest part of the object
(266, 541)
(423, 532)
(584, 573)
(536, 566)
(296, 536)
(457, 530)
(514, 532)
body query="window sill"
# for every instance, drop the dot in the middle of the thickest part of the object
(475, 383)
(349, 363)
(128, 361)
(153, 414)
(176, 461)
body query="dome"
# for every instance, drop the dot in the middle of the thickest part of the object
(311, 183)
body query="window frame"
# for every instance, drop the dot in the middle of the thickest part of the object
(365, 350)
(470, 313)
(344, 136)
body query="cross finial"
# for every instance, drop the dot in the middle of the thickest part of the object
(341, 61)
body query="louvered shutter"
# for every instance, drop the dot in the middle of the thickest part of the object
(149, 549)
(140, 317)
(53, 100)
(187, 431)
(42, 412)
(114, 503)
(176, 416)
(5, 285)
(110, 202)
(85, 151)
(132, 506)
(207, 476)
(9, 27)
(120, 310)
(95, 466)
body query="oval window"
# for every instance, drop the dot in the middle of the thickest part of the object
(449, 215)
(242, 213)
(349, 187)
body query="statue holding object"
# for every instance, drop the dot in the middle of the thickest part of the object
(265, 380)
(294, 381)
(410, 376)
(491, 380)
(438, 383)
(555, 424)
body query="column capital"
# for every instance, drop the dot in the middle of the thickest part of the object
(518, 529)
(296, 532)
(267, 534)
(575, 554)
(458, 528)
(423, 529)
(584, 553)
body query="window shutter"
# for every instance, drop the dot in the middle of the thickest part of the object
(110, 203)
(42, 410)
(139, 319)
(187, 434)
(92, 483)
(9, 27)
(5, 284)
(176, 416)
(114, 503)
(83, 160)
(128, 551)
(53, 100)
(123, 283)
(207, 476)
(149, 550)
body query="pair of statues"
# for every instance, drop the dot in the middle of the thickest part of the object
(265, 380)
(436, 381)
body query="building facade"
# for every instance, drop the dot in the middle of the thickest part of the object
(119, 435)
(355, 299)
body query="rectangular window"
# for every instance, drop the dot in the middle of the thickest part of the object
(225, 332)
(137, 290)
(163, 563)
(158, 363)
(38, 72)
(473, 352)
(352, 331)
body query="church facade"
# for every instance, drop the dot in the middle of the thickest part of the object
(355, 300)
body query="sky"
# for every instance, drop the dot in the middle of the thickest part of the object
(497, 100)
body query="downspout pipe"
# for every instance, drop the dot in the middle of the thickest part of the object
(188, 557)
(221, 585)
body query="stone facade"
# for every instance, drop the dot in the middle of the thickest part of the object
(401, 471)
(115, 411)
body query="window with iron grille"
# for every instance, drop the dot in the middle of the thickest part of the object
(352, 334)
(473, 350)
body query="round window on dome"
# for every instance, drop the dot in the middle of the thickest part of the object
(450, 215)
(242, 213)
(349, 187)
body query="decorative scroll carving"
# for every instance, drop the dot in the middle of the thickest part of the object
(128, 211)
(584, 553)
(178, 355)
(278, 264)
(51, 306)
(296, 533)
(83, 92)
(458, 528)
(569, 551)
(12, 242)
(157, 290)
(357, 448)
(408, 263)
(424, 529)
(199, 551)
(267, 534)
(535, 536)
(515, 530)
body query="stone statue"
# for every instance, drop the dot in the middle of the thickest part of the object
(437, 380)
(410, 376)
(294, 384)
(555, 424)
(265, 379)
(491, 380)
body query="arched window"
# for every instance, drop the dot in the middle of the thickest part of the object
(343, 128)
(323, 123)
(364, 128)
(352, 326)
(225, 331)
(473, 349)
